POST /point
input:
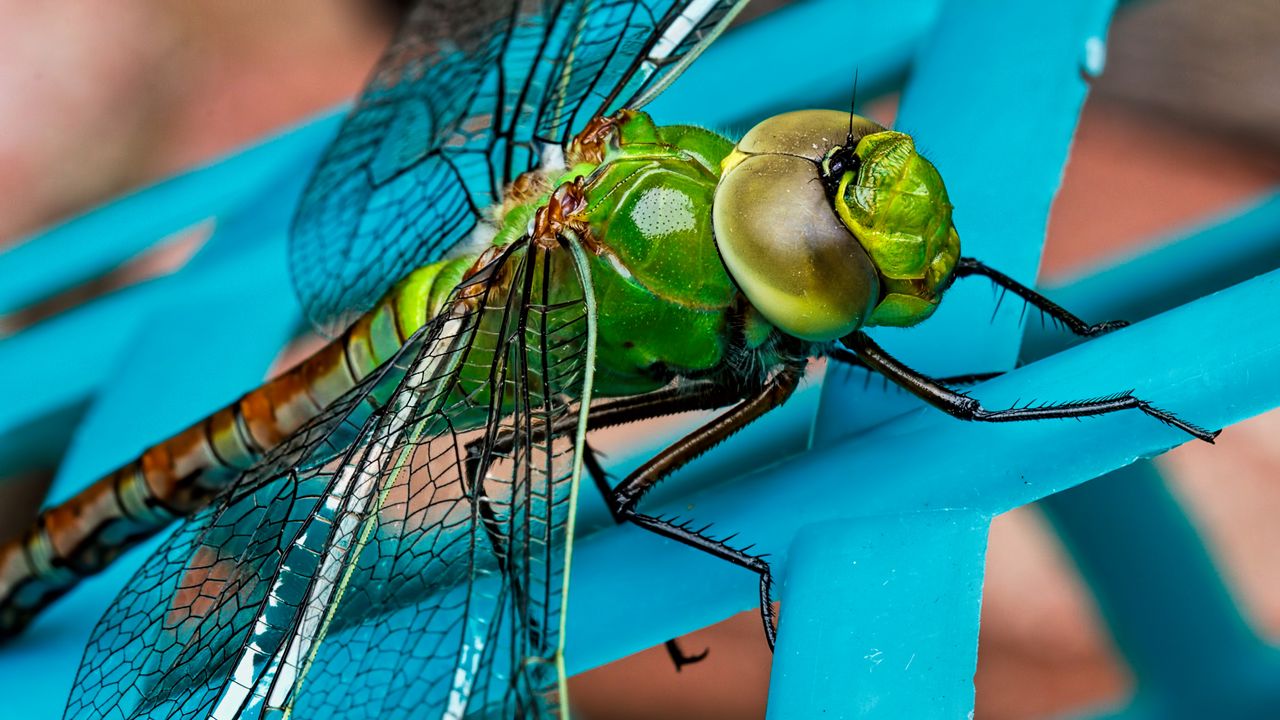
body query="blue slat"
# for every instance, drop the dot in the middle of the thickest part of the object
(91, 244)
(204, 343)
(1192, 653)
(44, 377)
(1141, 554)
(1222, 250)
(806, 53)
(896, 588)
(1021, 62)
(212, 340)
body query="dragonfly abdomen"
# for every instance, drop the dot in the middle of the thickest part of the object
(182, 474)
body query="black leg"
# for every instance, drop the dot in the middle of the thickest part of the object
(966, 408)
(685, 534)
(847, 357)
(967, 267)
(591, 463)
(773, 394)
(623, 499)
(680, 659)
(698, 395)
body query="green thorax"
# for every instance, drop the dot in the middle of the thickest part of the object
(667, 293)
(668, 306)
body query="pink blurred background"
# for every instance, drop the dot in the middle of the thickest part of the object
(96, 99)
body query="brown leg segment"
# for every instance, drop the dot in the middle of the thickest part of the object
(848, 357)
(624, 498)
(700, 395)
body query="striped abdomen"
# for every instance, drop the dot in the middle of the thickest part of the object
(180, 475)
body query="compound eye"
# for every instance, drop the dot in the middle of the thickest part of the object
(788, 252)
(806, 133)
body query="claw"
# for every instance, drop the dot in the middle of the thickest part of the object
(680, 659)
(1103, 328)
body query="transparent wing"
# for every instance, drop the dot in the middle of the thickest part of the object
(623, 53)
(460, 104)
(403, 556)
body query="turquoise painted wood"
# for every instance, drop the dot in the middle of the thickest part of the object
(43, 380)
(1169, 611)
(917, 529)
(254, 318)
(1140, 553)
(91, 244)
(895, 644)
(1002, 208)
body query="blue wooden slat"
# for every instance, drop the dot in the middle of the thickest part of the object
(198, 338)
(1020, 62)
(1225, 249)
(1139, 551)
(1192, 653)
(196, 351)
(897, 588)
(806, 53)
(87, 246)
(47, 369)
(994, 102)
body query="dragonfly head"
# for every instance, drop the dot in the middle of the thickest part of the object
(896, 205)
(828, 222)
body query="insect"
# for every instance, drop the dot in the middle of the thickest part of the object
(519, 256)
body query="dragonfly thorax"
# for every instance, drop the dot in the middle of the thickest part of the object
(638, 198)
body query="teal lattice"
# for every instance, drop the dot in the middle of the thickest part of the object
(874, 510)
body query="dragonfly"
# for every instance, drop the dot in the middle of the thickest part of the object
(511, 254)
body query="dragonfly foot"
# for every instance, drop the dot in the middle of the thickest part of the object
(678, 656)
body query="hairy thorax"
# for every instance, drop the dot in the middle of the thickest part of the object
(638, 197)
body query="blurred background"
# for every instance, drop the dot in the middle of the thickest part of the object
(1184, 123)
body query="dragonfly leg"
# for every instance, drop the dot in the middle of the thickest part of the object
(679, 658)
(591, 463)
(847, 357)
(698, 395)
(966, 408)
(624, 498)
(684, 533)
(774, 392)
(701, 395)
(967, 267)
(474, 470)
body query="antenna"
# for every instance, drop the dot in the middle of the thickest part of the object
(853, 101)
